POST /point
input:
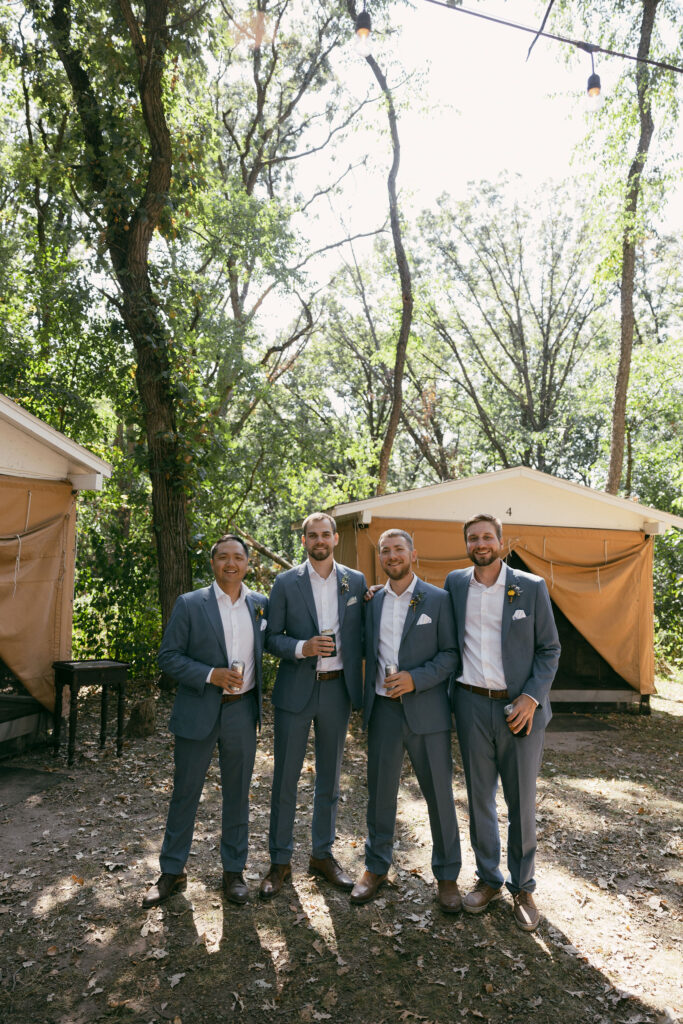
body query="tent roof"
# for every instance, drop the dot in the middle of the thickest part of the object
(31, 448)
(519, 496)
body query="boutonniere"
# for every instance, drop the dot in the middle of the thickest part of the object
(344, 583)
(258, 611)
(513, 591)
(416, 599)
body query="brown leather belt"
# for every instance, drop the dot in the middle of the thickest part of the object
(322, 677)
(491, 694)
(392, 700)
(230, 698)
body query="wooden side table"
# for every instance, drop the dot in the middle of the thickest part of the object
(74, 674)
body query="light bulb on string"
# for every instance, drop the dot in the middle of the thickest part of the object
(594, 90)
(363, 30)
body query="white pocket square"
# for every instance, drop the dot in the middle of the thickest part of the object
(351, 600)
(264, 623)
(424, 620)
(519, 614)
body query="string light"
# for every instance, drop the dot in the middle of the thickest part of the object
(593, 89)
(363, 29)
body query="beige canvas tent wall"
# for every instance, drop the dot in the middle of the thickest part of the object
(41, 472)
(594, 551)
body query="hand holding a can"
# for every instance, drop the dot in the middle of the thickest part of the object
(519, 715)
(323, 646)
(397, 683)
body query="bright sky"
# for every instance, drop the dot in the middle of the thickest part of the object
(474, 107)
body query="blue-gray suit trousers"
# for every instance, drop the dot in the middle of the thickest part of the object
(490, 749)
(328, 710)
(235, 733)
(389, 736)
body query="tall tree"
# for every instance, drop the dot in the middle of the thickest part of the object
(510, 298)
(403, 270)
(643, 107)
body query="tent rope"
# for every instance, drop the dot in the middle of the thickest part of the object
(28, 512)
(17, 563)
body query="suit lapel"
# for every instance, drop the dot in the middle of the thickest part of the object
(508, 605)
(376, 605)
(415, 602)
(461, 604)
(341, 602)
(214, 617)
(255, 620)
(307, 593)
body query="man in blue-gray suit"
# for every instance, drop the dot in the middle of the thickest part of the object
(410, 654)
(213, 646)
(509, 650)
(315, 628)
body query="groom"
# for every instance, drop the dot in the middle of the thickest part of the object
(315, 627)
(210, 634)
(509, 650)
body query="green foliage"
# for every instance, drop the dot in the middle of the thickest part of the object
(116, 608)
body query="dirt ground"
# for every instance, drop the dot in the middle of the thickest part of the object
(76, 858)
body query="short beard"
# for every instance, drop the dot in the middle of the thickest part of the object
(317, 556)
(483, 560)
(398, 573)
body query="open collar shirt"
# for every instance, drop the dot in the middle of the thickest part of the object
(238, 631)
(394, 612)
(326, 601)
(482, 659)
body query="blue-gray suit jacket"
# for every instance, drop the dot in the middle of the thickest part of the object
(427, 651)
(193, 644)
(530, 645)
(292, 617)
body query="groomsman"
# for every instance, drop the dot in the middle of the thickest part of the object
(213, 646)
(315, 628)
(509, 653)
(410, 654)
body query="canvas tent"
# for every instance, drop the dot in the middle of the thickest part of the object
(41, 472)
(593, 549)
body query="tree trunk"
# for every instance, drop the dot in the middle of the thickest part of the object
(628, 259)
(128, 235)
(406, 286)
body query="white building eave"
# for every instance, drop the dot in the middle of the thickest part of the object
(596, 507)
(31, 448)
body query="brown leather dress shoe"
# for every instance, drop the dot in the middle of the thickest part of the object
(274, 880)
(328, 868)
(449, 896)
(525, 911)
(480, 897)
(234, 887)
(367, 887)
(164, 887)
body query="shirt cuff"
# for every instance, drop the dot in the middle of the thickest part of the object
(530, 698)
(299, 649)
(208, 678)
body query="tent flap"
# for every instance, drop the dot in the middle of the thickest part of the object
(600, 579)
(37, 529)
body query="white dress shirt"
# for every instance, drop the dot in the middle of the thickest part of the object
(239, 633)
(482, 659)
(394, 611)
(326, 601)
